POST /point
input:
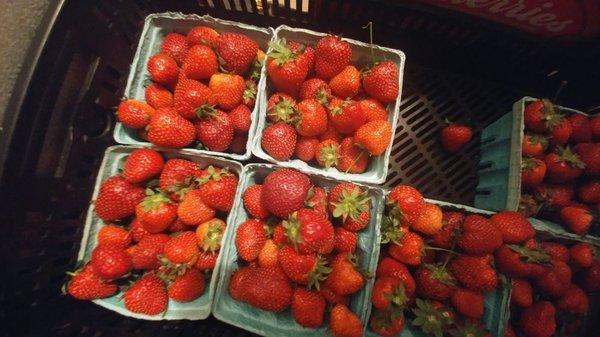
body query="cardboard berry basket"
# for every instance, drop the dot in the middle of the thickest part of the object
(497, 302)
(156, 26)
(114, 159)
(499, 186)
(377, 170)
(267, 323)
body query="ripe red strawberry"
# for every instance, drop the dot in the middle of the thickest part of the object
(582, 131)
(468, 303)
(539, 320)
(515, 228)
(228, 90)
(589, 153)
(344, 278)
(145, 254)
(563, 165)
(252, 202)
(577, 219)
(409, 202)
(451, 225)
(249, 96)
(284, 191)
(522, 261)
(388, 294)
(381, 81)
(327, 153)
(435, 282)
(330, 133)
(534, 145)
(591, 278)
(392, 268)
(236, 285)
(308, 308)
(582, 255)
(430, 220)
(386, 323)
(187, 287)
(268, 255)
(305, 148)
(218, 188)
(147, 295)
(202, 35)
(315, 88)
(86, 285)
(533, 171)
(373, 110)
(318, 200)
(344, 323)
(522, 293)
(111, 235)
(555, 281)
(574, 300)
(333, 298)
(282, 107)
(267, 288)
(279, 235)
(117, 198)
(163, 69)
(134, 113)
(359, 223)
(156, 212)
(555, 195)
(474, 272)
(309, 232)
(556, 251)
(595, 126)
(175, 45)
(344, 240)
(238, 143)
(240, 118)
(200, 63)
(312, 119)
(346, 83)
(182, 248)
(142, 164)
(206, 260)
(561, 132)
(589, 192)
(332, 55)
(168, 129)
(193, 210)
(177, 226)
(209, 235)
(305, 269)
(110, 262)
(237, 52)
(250, 237)
(409, 249)
(352, 158)
(374, 136)
(215, 130)
(346, 116)
(455, 136)
(191, 95)
(288, 68)
(279, 141)
(479, 236)
(540, 116)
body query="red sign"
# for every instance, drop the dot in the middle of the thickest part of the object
(552, 18)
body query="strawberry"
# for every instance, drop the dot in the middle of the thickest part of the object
(134, 114)
(589, 192)
(392, 268)
(236, 285)
(470, 327)
(522, 293)
(236, 51)
(521, 261)
(346, 83)
(279, 141)
(451, 225)
(455, 136)
(468, 303)
(595, 126)
(344, 323)
(146, 296)
(305, 148)
(388, 294)
(539, 320)
(308, 308)
(344, 240)
(250, 237)
(346, 116)
(163, 69)
(381, 81)
(228, 89)
(177, 173)
(327, 153)
(279, 235)
(589, 153)
(206, 260)
(540, 116)
(479, 236)
(86, 285)
(209, 235)
(434, 282)
(238, 143)
(268, 255)
(200, 63)
(474, 272)
(175, 45)
(574, 300)
(252, 202)
(281, 107)
(142, 164)
(386, 323)
(305, 269)
(515, 228)
(331, 297)
(432, 317)
(533, 171)
(563, 165)
(582, 131)
(582, 255)
(241, 118)
(407, 201)
(561, 132)
(110, 262)
(218, 188)
(577, 219)
(359, 223)
(556, 251)
(117, 198)
(330, 133)
(215, 130)
(591, 278)
(187, 287)
(556, 280)
(193, 210)
(352, 158)
(409, 249)
(177, 226)
(111, 235)
(168, 129)
(145, 254)
(288, 68)
(182, 248)
(318, 200)
(202, 35)
(374, 136)
(315, 88)
(350, 202)
(267, 288)
(249, 96)
(534, 145)
(190, 96)
(332, 55)
(373, 110)
(309, 232)
(509, 331)
(156, 212)
(555, 195)
(430, 220)
(344, 278)
(284, 191)
(312, 119)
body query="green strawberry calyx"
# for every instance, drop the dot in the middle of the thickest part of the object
(433, 321)
(282, 53)
(535, 138)
(212, 238)
(391, 231)
(532, 255)
(154, 199)
(550, 117)
(319, 273)
(529, 164)
(285, 110)
(440, 273)
(351, 203)
(330, 154)
(292, 228)
(567, 155)
(397, 297)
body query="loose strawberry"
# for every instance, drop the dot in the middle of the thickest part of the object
(206, 260)
(346, 116)
(305, 148)
(479, 236)
(287, 67)
(582, 131)
(279, 141)
(252, 202)
(200, 63)
(430, 220)
(182, 248)
(589, 192)
(175, 45)
(228, 90)
(117, 199)
(392, 268)
(591, 278)
(308, 308)
(455, 136)
(147, 296)
(563, 165)
(522, 293)
(577, 219)
(557, 251)
(236, 51)
(218, 188)
(268, 255)
(282, 107)
(168, 129)
(241, 118)
(110, 262)
(561, 132)
(193, 210)
(386, 323)
(111, 235)
(344, 240)
(145, 254)
(409, 249)
(86, 285)
(533, 171)
(142, 164)
(163, 69)
(534, 145)
(250, 237)
(315, 88)
(515, 228)
(474, 272)
(539, 320)
(267, 288)
(381, 82)
(187, 287)
(327, 153)
(202, 35)
(190, 96)
(589, 153)
(352, 158)
(312, 119)
(156, 212)
(408, 203)
(330, 133)
(540, 116)
(309, 232)
(346, 83)
(574, 300)
(284, 191)
(305, 269)
(209, 235)
(332, 55)
(451, 225)
(374, 136)
(435, 282)
(344, 278)
(134, 113)
(468, 303)
(388, 294)
(555, 282)
(582, 255)
(521, 261)
(373, 110)
(318, 200)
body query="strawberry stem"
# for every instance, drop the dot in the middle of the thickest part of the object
(370, 26)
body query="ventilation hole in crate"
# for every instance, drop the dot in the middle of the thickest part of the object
(431, 127)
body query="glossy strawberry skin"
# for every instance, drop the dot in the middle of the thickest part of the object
(287, 76)
(175, 45)
(163, 69)
(200, 63)
(189, 96)
(332, 55)
(353, 159)
(374, 136)
(252, 201)
(454, 137)
(539, 320)
(117, 199)
(250, 238)
(522, 293)
(215, 132)
(305, 148)
(346, 84)
(145, 254)
(313, 118)
(86, 285)
(279, 141)
(187, 287)
(515, 228)
(479, 236)
(142, 164)
(582, 131)
(168, 129)
(346, 116)
(134, 113)
(309, 231)
(202, 35)
(556, 281)
(147, 296)
(237, 50)
(241, 118)
(227, 89)
(308, 308)
(284, 191)
(474, 273)
(110, 262)
(381, 82)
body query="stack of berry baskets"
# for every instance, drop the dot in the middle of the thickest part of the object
(297, 257)
(320, 114)
(194, 84)
(153, 233)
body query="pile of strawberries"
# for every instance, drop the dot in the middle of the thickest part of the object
(202, 91)
(561, 166)
(550, 285)
(436, 266)
(324, 109)
(162, 232)
(298, 249)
